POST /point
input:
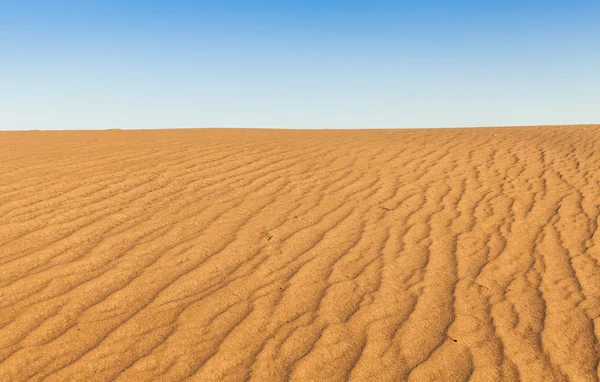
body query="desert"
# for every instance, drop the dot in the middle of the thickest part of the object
(302, 255)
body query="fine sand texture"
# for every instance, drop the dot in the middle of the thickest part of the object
(275, 255)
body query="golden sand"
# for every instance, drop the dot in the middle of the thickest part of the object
(274, 255)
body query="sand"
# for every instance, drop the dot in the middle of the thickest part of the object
(273, 255)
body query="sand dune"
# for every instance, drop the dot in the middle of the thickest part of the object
(272, 255)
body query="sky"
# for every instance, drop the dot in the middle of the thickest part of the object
(298, 64)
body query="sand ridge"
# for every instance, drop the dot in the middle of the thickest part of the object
(273, 255)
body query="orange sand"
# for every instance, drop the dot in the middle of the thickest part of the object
(271, 255)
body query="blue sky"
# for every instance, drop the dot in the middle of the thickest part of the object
(298, 64)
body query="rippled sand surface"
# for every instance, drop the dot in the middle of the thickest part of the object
(272, 255)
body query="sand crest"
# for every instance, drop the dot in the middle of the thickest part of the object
(272, 255)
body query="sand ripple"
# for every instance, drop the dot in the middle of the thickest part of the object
(217, 255)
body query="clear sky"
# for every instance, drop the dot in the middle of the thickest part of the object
(298, 63)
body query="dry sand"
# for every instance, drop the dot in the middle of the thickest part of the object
(270, 255)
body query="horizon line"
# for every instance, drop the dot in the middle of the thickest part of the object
(303, 129)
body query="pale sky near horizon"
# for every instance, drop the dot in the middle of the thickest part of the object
(298, 64)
